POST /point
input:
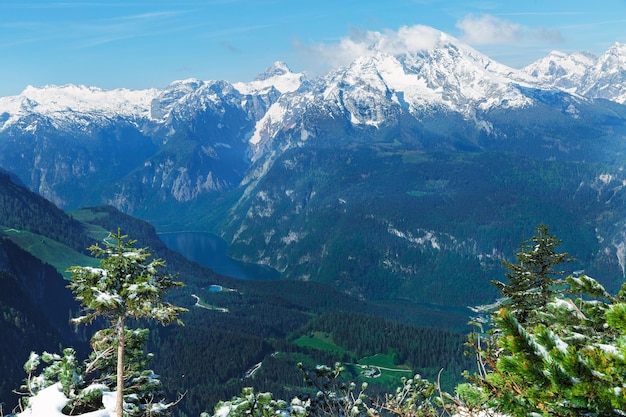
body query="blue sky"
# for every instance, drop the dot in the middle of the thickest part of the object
(149, 43)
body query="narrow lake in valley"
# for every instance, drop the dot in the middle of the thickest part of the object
(210, 250)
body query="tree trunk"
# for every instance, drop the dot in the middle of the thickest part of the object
(121, 342)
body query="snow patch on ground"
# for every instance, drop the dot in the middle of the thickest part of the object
(50, 401)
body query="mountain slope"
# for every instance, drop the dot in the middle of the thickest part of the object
(196, 139)
(413, 175)
(441, 75)
(23, 210)
(389, 222)
(287, 168)
(81, 146)
(582, 73)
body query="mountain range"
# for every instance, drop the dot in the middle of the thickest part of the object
(401, 175)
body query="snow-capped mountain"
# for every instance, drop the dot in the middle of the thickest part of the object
(607, 78)
(182, 100)
(278, 76)
(230, 132)
(445, 74)
(75, 104)
(585, 74)
(420, 123)
(561, 70)
(441, 74)
(187, 139)
(78, 104)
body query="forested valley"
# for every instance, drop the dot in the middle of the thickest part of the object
(554, 337)
(552, 345)
(276, 323)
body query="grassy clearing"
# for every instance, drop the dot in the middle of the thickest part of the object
(379, 369)
(379, 360)
(87, 215)
(319, 340)
(49, 251)
(94, 231)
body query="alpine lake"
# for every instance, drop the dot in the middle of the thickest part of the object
(209, 250)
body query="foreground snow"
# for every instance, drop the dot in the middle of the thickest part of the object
(50, 401)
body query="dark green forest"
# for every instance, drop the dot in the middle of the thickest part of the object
(407, 313)
(22, 209)
(208, 357)
(441, 221)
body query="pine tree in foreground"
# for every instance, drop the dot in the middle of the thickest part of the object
(553, 353)
(535, 278)
(127, 285)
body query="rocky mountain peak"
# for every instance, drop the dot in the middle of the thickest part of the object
(565, 71)
(583, 73)
(279, 76)
(434, 70)
(607, 78)
(278, 69)
(74, 105)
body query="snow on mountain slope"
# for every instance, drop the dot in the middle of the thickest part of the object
(448, 76)
(162, 104)
(278, 76)
(431, 70)
(181, 100)
(562, 70)
(585, 74)
(418, 69)
(443, 72)
(75, 103)
(607, 78)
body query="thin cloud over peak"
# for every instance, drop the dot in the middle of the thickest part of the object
(143, 43)
(487, 29)
(407, 39)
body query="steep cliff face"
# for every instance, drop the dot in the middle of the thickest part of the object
(71, 167)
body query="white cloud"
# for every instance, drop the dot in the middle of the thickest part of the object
(476, 30)
(408, 39)
(487, 29)
(490, 30)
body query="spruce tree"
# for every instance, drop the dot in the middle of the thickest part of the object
(556, 347)
(534, 279)
(574, 366)
(127, 285)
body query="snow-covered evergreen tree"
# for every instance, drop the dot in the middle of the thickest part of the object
(560, 353)
(142, 387)
(126, 285)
